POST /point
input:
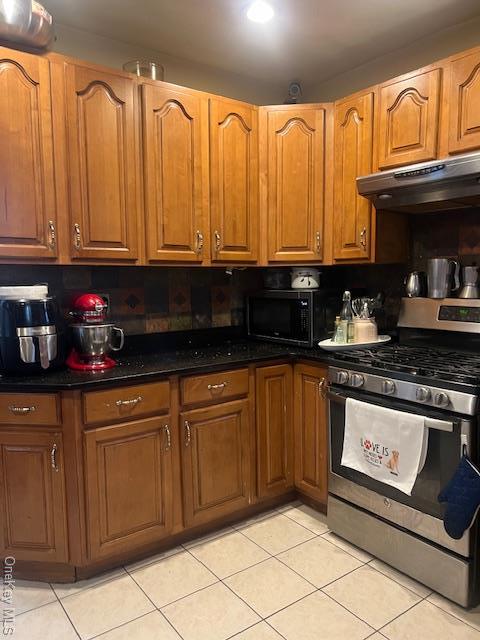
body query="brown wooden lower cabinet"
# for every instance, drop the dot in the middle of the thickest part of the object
(215, 444)
(32, 494)
(274, 399)
(311, 441)
(129, 487)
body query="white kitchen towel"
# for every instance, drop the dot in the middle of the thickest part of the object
(388, 445)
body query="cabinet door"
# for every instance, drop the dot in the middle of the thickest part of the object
(215, 461)
(274, 398)
(129, 485)
(295, 165)
(409, 119)
(102, 163)
(353, 158)
(175, 160)
(464, 104)
(233, 181)
(311, 417)
(32, 489)
(27, 185)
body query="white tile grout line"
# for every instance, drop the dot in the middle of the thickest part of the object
(68, 617)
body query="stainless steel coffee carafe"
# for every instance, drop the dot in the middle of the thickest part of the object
(443, 277)
(470, 288)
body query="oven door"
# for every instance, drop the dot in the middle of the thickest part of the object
(420, 513)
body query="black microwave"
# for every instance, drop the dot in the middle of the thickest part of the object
(297, 317)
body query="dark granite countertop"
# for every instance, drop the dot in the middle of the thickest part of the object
(146, 366)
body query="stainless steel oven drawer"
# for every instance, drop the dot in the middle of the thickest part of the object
(438, 569)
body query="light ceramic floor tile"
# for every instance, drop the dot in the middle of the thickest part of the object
(153, 626)
(261, 631)
(269, 586)
(65, 590)
(354, 551)
(308, 518)
(289, 505)
(265, 515)
(49, 622)
(214, 613)
(31, 595)
(211, 536)
(277, 534)
(106, 606)
(173, 578)
(153, 559)
(317, 617)
(428, 622)
(376, 636)
(420, 589)
(319, 562)
(372, 596)
(470, 616)
(229, 554)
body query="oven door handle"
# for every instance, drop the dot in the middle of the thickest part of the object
(430, 423)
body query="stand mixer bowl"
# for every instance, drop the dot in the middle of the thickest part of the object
(95, 341)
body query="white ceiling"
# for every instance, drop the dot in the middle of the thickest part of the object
(308, 40)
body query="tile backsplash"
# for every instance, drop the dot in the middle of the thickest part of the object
(150, 299)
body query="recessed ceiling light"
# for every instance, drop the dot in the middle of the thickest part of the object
(260, 11)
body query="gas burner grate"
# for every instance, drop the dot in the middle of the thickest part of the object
(432, 362)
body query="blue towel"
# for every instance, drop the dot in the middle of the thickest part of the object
(462, 495)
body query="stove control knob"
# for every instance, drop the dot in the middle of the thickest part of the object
(342, 377)
(388, 387)
(442, 399)
(357, 380)
(423, 394)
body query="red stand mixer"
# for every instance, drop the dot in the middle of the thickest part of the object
(92, 335)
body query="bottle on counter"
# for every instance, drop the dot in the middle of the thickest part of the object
(346, 318)
(339, 335)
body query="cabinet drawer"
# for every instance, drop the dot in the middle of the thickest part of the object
(214, 387)
(29, 408)
(123, 403)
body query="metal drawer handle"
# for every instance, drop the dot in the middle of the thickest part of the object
(363, 237)
(129, 403)
(318, 242)
(169, 437)
(218, 241)
(77, 237)
(199, 248)
(21, 410)
(52, 235)
(217, 387)
(322, 387)
(188, 433)
(53, 458)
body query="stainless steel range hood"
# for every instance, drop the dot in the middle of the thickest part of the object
(441, 185)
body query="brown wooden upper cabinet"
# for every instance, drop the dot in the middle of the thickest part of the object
(175, 147)
(294, 144)
(352, 224)
(102, 159)
(274, 393)
(28, 214)
(215, 461)
(32, 490)
(408, 125)
(129, 485)
(463, 101)
(233, 181)
(311, 439)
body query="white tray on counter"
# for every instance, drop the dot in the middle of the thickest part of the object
(330, 345)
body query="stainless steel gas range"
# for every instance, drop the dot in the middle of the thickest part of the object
(433, 371)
